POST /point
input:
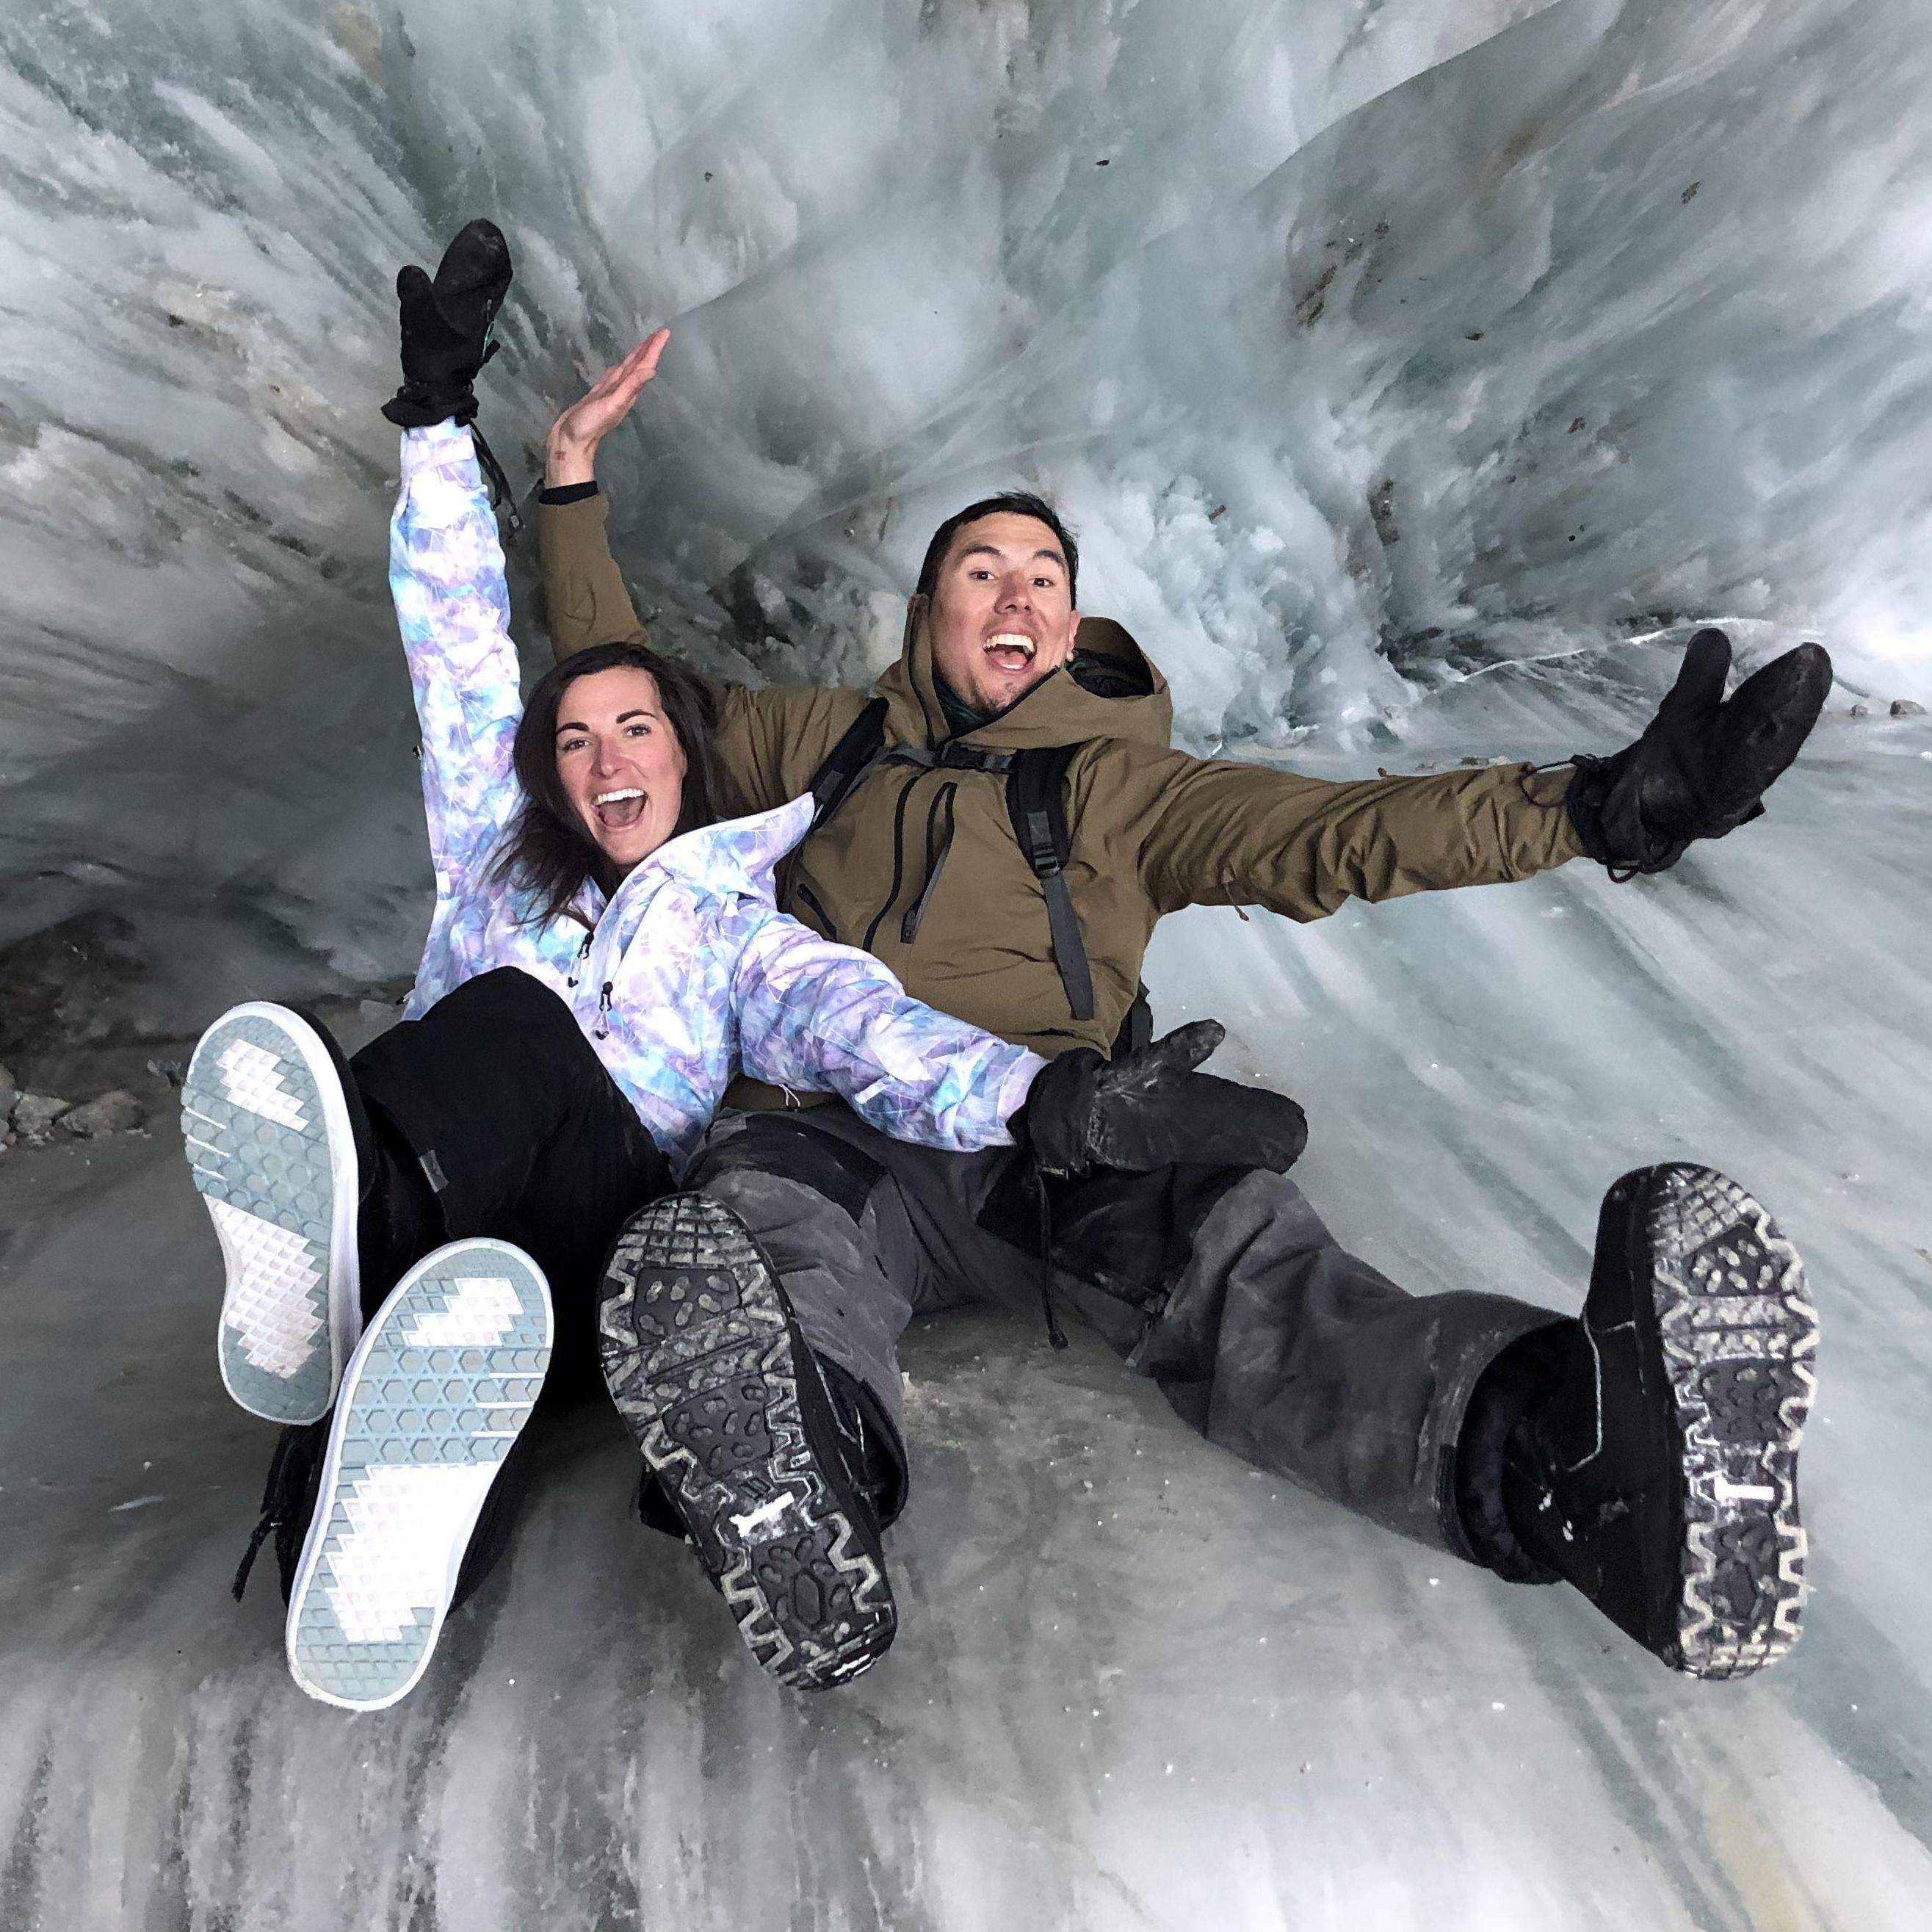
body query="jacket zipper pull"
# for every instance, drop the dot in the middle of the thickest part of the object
(583, 954)
(603, 1011)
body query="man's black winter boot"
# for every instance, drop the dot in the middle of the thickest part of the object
(705, 1361)
(1660, 1476)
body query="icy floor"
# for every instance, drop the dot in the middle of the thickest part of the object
(1138, 1685)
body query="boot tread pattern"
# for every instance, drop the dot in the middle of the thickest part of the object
(1740, 1336)
(269, 1153)
(703, 1361)
(435, 1395)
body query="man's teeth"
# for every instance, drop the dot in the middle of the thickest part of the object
(1010, 640)
(612, 797)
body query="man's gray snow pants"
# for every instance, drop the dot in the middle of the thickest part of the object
(1222, 1285)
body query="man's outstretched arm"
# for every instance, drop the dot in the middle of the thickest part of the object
(1216, 833)
(583, 590)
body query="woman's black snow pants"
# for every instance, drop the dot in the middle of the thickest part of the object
(504, 1109)
(493, 1115)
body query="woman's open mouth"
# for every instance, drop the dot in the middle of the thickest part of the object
(618, 810)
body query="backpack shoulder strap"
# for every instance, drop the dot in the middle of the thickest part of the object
(1137, 1029)
(1037, 804)
(848, 761)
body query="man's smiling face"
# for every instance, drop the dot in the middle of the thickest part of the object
(1003, 615)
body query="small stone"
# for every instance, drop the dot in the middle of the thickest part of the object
(1906, 707)
(34, 1115)
(10, 1092)
(1862, 711)
(115, 1112)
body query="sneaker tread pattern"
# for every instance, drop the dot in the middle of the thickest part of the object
(265, 1161)
(433, 1399)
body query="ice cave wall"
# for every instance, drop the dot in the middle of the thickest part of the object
(1367, 342)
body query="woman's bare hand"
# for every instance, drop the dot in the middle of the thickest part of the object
(571, 449)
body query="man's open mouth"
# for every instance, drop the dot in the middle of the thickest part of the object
(616, 810)
(1010, 651)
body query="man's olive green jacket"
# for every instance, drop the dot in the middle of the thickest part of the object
(1153, 829)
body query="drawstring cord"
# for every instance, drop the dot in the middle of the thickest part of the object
(272, 1510)
(1055, 1333)
(502, 497)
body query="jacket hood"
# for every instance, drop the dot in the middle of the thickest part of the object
(1061, 709)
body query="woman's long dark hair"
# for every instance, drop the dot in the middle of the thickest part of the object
(548, 853)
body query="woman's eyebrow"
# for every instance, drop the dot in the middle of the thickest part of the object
(623, 717)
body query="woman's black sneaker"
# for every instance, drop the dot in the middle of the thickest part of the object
(1660, 1476)
(707, 1364)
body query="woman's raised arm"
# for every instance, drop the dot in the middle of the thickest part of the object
(445, 564)
(453, 607)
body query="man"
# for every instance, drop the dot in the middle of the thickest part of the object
(1645, 1453)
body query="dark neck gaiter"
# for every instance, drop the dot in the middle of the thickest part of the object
(961, 718)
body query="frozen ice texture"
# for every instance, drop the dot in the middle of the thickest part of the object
(1416, 372)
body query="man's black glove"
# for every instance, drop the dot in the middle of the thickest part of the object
(446, 328)
(1702, 765)
(1150, 1108)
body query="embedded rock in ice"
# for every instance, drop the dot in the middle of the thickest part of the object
(116, 1111)
(36, 1115)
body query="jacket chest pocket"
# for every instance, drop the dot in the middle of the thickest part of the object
(941, 823)
(801, 894)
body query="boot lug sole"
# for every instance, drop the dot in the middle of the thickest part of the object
(701, 1356)
(1739, 1336)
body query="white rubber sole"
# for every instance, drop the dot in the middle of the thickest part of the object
(436, 1394)
(268, 1135)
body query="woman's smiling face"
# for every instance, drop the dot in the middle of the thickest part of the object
(619, 761)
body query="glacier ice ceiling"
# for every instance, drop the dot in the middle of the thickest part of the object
(1414, 372)
(1366, 343)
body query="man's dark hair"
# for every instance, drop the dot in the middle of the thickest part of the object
(549, 853)
(1013, 502)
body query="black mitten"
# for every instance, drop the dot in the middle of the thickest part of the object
(1150, 1108)
(1702, 765)
(446, 326)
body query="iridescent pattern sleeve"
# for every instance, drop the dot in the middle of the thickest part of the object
(828, 1018)
(453, 607)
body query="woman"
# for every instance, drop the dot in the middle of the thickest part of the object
(603, 958)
